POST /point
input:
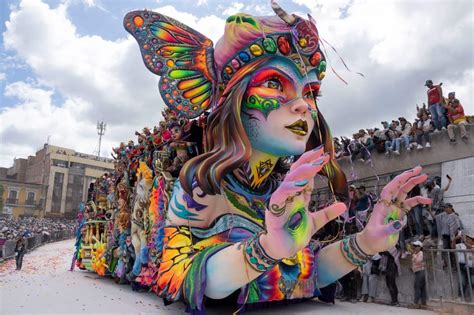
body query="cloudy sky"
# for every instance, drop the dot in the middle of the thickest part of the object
(66, 64)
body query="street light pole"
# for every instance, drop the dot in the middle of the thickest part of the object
(101, 125)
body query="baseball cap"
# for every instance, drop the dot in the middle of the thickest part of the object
(428, 82)
(417, 243)
(446, 205)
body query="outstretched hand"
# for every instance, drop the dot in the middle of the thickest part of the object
(289, 224)
(382, 230)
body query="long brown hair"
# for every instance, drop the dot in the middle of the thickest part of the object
(228, 147)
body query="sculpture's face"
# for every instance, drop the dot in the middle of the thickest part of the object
(276, 108)
(176, 133)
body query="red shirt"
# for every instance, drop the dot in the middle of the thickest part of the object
(433, 96)
(457, 116)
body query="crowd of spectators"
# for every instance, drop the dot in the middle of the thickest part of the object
(440, 114)
(13, 228)
(437, 225)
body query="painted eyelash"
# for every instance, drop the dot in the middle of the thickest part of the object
(318, 96)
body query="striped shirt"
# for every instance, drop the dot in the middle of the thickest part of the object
(448, 224)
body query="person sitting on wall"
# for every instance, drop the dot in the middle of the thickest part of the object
(456, 119)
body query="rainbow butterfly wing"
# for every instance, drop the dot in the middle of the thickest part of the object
(180, 55)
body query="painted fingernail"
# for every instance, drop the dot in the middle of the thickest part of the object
(397, 225)
(318, 148)
(320, 162)
(301, 183)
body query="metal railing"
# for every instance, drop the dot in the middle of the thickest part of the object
(450, 275)
(11, 201)
(7, 247)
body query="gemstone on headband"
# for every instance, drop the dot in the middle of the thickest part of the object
(278, 44)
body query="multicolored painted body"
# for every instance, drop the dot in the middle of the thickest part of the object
(224, 182)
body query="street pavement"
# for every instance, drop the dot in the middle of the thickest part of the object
(45, 286)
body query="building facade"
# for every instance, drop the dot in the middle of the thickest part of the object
(59, 178)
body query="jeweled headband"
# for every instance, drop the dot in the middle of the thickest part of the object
(279, 44)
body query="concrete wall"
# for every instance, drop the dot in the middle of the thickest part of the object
(461, 192)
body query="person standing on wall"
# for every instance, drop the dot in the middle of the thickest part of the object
(435, 104)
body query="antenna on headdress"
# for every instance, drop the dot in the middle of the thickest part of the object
(288, 18)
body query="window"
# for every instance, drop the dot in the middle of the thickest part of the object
(78, 165)
(74, 192)
(57, 192)
(30, 199)
(59, 163)
(13, 194)
(12, 197)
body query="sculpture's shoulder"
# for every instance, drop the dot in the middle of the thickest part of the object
(196, 210)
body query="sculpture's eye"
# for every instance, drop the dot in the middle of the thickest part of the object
(274, 84)
(311, 95)
(231, 19)
(249, 20)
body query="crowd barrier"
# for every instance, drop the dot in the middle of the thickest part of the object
(447, 279)
(7, 248)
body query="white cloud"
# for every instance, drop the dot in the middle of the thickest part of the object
(35, 109)
(3, 76)
(209, 25)
(98, 78)
(233, 8)
(80, 66)
(27, 126)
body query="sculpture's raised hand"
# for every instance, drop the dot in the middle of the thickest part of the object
(383, 228)
(288, 222)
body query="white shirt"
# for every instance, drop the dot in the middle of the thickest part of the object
(426, 125)
(407, 130)
(463, 255)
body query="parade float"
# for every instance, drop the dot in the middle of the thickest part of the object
(224, 182)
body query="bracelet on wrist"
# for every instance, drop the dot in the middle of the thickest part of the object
(357, 249)
(255, 255)
(349, 255)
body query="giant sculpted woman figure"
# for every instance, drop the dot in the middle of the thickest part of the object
(238, 219)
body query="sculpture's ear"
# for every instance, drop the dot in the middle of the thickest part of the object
(180, 55)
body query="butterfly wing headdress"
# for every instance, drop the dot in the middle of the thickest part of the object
(180, 55)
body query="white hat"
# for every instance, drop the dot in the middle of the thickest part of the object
(418, 243)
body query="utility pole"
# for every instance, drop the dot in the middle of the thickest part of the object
(43, 173)
(101, 125)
